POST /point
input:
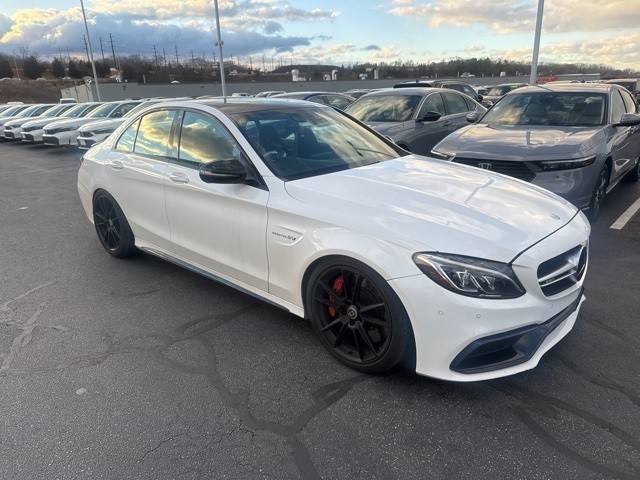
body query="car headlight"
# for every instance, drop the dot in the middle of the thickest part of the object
(101, 131)
(473, 277)
(549, 165)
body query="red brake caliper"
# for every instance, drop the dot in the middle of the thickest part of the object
(338, 287)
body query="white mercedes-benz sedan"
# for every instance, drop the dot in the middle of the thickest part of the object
(461, 274)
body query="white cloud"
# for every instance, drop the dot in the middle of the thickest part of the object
(506, 16)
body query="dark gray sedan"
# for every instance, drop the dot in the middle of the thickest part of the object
(415, 118)
(576, 140)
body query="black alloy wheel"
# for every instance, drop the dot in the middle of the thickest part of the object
(112, 227)
(598, 194)
(358, 317)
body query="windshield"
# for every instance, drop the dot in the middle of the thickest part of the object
(57, 110)
(39, 110)
(381, 108)
(13, 110)
(102, 111)
(499, 91)
(560, 109)
(75, 111)
(139, 107)
(303, 142)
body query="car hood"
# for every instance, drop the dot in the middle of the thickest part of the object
(20, 121)
(425, 204)
(110, 123)
(5, 120)
(522, 142)
(71, 122)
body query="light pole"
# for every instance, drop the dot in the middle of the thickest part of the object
(93, 65)
(536, 44)
(219, 43)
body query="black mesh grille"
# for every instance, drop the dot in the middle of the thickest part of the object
(513, 169)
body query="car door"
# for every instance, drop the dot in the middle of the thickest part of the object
(623, 141)
(137, 168)
(457, 111)
(218, 227)
(426, 134)
(631, 106)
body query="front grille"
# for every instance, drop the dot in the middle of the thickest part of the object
(8, 134)
(506, 167)
(564, 271)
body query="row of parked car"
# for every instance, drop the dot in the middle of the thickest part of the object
(578, 140)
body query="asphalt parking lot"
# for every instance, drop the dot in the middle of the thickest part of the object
(138, 369)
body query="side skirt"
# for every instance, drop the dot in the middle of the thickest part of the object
(181, 263)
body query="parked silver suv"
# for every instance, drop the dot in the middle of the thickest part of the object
(577, 140)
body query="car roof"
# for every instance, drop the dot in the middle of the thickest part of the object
(567, 87)
(251, 104)
(408, 91)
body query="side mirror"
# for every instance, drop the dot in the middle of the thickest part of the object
(223, 171)
(628, 120)
(479, 98)
(430, 117)
(473, 117)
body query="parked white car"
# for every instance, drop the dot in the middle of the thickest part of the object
(12, 113)
(65, 132)
(461, 273)
(95, 132)
(13, 128)
(33, 130)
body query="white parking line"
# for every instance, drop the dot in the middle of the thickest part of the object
(626, 216)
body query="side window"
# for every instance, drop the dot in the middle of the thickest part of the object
(154, 134)
(617, 106)
(322, 99)
(470, 104)
(122, 110)
(455, 103)
(454, 86)
(339, 102)
(433, 103)
(466, 89)
(128, 139)
(629, 102)
(203, 139)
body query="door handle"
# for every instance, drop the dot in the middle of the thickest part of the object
(178, 177)
(116, 164)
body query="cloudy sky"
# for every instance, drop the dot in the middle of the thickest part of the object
(335, 31)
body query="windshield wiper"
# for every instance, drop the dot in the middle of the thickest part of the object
(359, 149)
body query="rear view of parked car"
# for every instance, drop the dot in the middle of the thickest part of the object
(415, 118)
(576, 140)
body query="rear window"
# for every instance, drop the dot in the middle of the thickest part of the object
(384, 108)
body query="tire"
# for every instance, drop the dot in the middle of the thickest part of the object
(338, 292)
(633, 175)
(112, 227)
(599, 193)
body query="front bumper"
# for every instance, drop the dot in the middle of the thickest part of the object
(446, 324)
(34, 136)
(62, 138)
